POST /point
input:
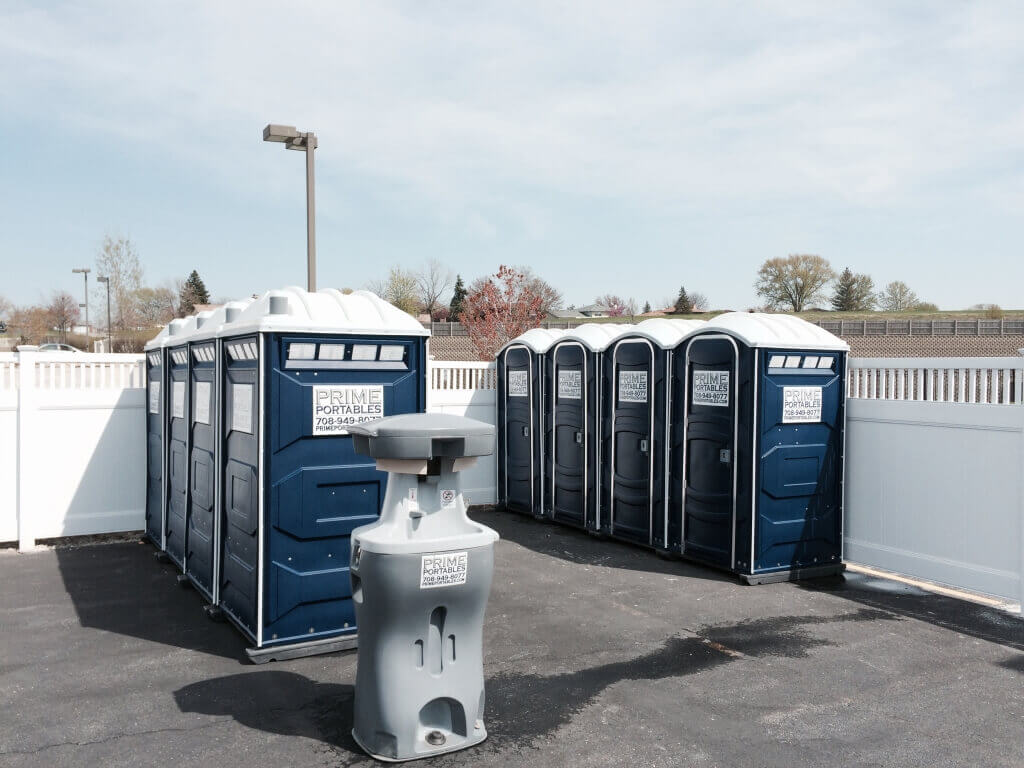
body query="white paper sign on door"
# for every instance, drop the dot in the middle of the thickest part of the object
(336, 407)
(801, 405)
(570, 385)
(632, 386)
(202, 407)
(518, 384)
(154, 397)
(711, 388)
(178, 400)
(241, 407)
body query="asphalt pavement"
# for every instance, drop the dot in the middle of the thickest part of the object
(596, 654)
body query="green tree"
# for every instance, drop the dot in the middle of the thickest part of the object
(193, 291)
(683, 305)
(853, 292)
(458, 302)
(794, 282)
(647, 307)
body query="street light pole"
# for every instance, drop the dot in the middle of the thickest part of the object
(303, 142)
(84, 271)
(110, 342)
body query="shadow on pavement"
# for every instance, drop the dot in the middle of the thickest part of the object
(121, 588)
(521, 708)
(576, 546)
(960, 616)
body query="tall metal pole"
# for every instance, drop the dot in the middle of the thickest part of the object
(310, 215)
(86, 276)
(110, 339)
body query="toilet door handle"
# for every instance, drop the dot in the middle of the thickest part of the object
(579, 437)
(643, 446)
(526, 431)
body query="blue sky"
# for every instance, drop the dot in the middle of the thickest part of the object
(612, 147)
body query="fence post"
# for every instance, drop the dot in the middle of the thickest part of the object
(24, 445)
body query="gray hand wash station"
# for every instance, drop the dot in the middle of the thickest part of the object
(421, 575)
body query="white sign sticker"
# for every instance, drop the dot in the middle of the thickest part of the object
(518, 383)
(570, 385)
(801, 405)
(241, 407)
(154, 397)
(632, 386)
(448, 499)
(202, 404)
(178, 400)
(711, 388)
(336, 407)
(445, 570)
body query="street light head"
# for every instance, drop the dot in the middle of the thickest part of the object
(82, 271)
(103, 279)
(280, 133)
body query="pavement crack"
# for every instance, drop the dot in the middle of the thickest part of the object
(113, 737)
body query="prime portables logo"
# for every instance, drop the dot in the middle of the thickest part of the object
(445, 570)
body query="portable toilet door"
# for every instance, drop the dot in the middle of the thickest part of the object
(708, 373)
(156, 454)
(202, 541)
(572, 424)
(764, 427)
(300, 368)
(520, 421)
(178, 429)
(639, 391)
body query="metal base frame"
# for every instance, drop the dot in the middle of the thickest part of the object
(796, 574)
(299, 650)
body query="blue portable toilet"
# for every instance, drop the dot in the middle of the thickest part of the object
(202, 506)
(520, 420)
(156, 431)
(177, 429)
(572, 419)
(299, 368)
(635, 435)
(760, 429)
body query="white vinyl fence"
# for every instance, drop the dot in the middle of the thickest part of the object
(934, 459)
(935, 470)
(468, 389)
(73, 440)
(72, 445)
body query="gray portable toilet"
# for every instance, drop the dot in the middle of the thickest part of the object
(177, 426)
(635, 433)
(156, 432)
(760, 430)
(520, 420)
(299, 368)
(572, 424)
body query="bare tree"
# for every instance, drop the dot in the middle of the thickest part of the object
(699, 301)
(795, 282)
(616, 306)
(119, 261)
(62, 312)
(32, 324)
(156, 306)
(434, 280)
(897, 297)
(631, 307)
(399, 288)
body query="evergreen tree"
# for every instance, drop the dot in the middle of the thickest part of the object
(647, 307)
(853, 293)
(193, 291)
(683, 304)
(457, 304)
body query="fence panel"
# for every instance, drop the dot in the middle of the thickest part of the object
(468, 389)
(994, 380)
(8, 446)
(934, 490)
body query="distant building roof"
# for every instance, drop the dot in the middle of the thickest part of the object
(564, 314)
(595, 308)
